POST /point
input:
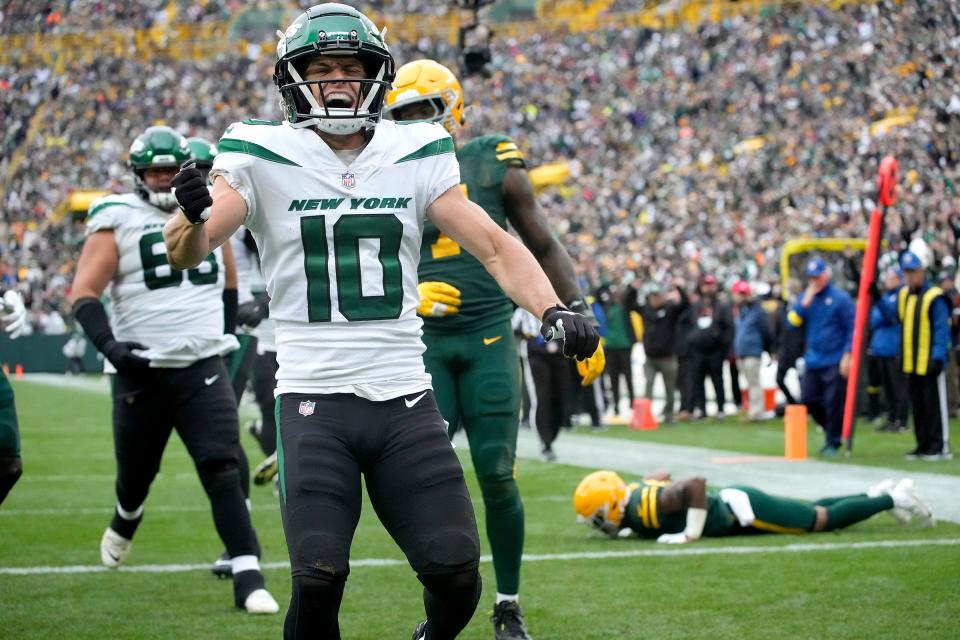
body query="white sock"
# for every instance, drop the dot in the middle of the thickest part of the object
(245, 563)
(503, 597)
(129, 515)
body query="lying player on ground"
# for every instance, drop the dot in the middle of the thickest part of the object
(686, 510)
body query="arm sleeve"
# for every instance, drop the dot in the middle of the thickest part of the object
(941, 329)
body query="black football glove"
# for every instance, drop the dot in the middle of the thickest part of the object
(579, 338)
(250, 314)
(934, 368)
(192, 193)
(121, 355)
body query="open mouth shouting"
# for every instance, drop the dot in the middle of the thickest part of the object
(339, 99)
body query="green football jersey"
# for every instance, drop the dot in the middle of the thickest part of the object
(641, 513)
(483, 163)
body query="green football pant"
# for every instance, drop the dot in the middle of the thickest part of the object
(774, 514)
(476, 381)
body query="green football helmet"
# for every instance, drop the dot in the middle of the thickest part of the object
(157, 148)
(203, 152)
(336, 30)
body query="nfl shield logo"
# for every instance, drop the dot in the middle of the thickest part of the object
(348, 179)
(306, 407)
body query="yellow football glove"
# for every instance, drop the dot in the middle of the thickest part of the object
(591, 368)
(438, 299)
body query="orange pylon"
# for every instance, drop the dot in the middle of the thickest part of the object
(642, 419)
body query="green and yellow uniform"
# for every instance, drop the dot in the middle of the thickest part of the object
(472, 356)
(771, 514)
(9, 429)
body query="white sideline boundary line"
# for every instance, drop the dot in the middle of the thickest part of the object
(543, 557)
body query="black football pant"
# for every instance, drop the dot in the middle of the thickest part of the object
(928, 395)
(400, 447)
(198, 402)
(264, 383)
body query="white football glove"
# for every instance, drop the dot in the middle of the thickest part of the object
(673, 538)
(13, 315)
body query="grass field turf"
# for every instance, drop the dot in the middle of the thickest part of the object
(56, 514)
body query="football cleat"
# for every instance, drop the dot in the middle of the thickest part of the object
(114, 548)
(222, 567)
(508, 621)
(905, 497)
(266, 470)
(261, 602)
(421, 631)
(883, 488)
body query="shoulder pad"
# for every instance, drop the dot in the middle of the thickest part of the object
(418, 140)
(106, 202)
(257, 138)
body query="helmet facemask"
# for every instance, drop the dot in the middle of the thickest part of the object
(165, 199)
(298, 100)
(337, 30)
(431, 107)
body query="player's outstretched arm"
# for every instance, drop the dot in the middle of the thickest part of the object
(689, 494)
(509, 262)
(527, 218)
(194, 232)
(515, 269)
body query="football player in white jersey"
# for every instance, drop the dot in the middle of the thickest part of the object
(165, 344)
(336, 201)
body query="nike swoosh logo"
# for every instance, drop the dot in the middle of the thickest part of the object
(209, 381)
(489, 341)
(115, 558)
(410, 403)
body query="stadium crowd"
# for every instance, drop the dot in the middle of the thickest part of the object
(697, 150)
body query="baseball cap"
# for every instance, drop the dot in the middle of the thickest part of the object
(816, 267)
(909, 261)
(708, 280)
(742, 287)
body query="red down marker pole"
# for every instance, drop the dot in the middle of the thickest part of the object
(886, 196)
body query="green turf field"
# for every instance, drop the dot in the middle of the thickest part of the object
(875, 580)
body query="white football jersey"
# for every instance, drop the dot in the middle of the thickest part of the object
(339, 248)
(177, 314)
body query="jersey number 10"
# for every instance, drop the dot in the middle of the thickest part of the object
(347, 233)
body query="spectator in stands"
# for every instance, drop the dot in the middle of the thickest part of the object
(659, 314)
(750, 341)
(925, 316)
(710, 340)
(827, 314)
(883, 357)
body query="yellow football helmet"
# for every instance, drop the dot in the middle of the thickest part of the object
(425, 90)
(600, 499)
